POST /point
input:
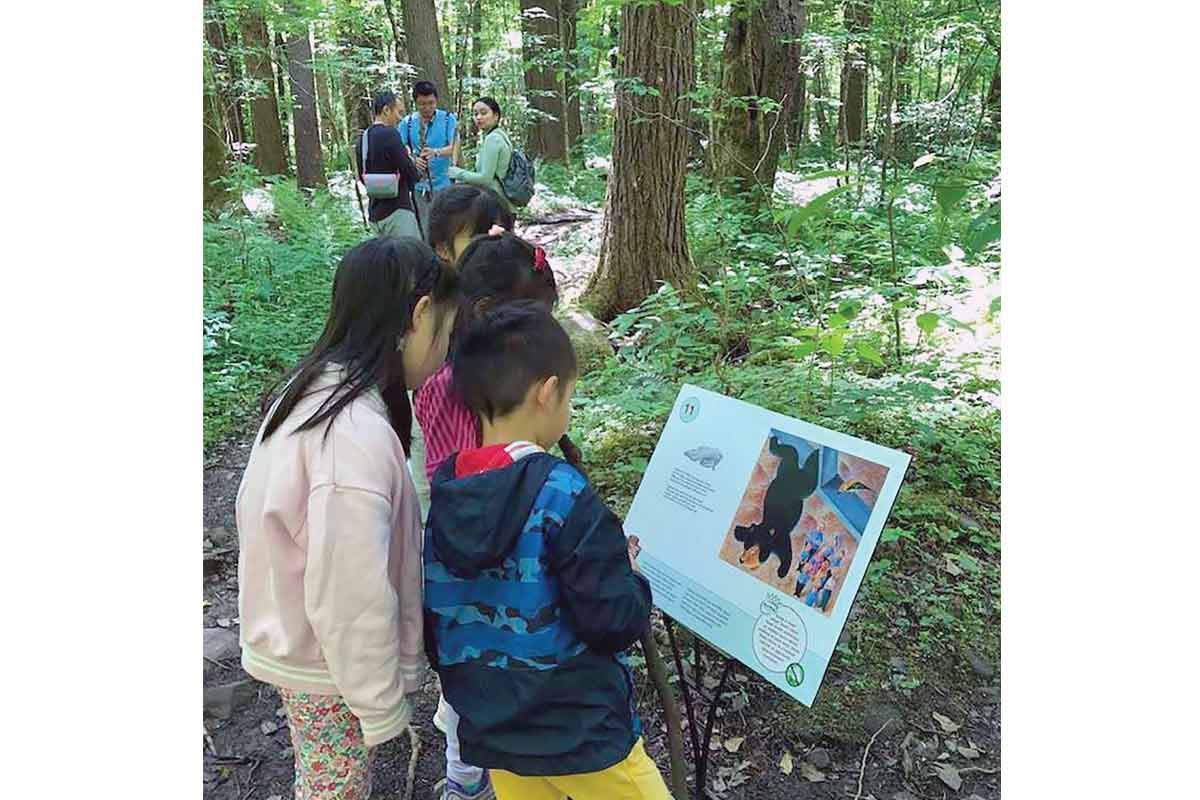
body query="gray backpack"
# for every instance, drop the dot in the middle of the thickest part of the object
(517, 183)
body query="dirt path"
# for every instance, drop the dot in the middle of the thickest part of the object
(247, 750)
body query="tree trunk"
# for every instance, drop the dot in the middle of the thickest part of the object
(224, 73)
(853, 113)
(820, 95)
(310, 170)
(279, 54)
(215, 193)
(568, 22)
(644, 238)
(761, 61)
(322, 78)
(799, 124)
(614, 39)
(356, 87)
(993, 96)
(545, 134)
(270, 148)
(423, 41)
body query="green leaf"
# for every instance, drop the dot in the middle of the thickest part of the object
(837, 321)
(795, 222)
(994, 307)
(928, 322)
(833, 343)
(949, 195)
(868, 353)
(805, 349)
(849, 308)
(984, 229)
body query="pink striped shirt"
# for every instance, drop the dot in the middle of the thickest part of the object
(447, 424)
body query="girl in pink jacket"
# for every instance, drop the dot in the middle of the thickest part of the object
(329, 568)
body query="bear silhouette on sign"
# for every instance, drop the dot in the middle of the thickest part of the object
(782, 507)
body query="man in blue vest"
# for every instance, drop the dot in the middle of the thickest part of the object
(431, 134)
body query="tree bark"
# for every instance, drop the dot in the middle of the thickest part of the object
(993, 96)
(355, 86)
(215, 168)
(224, 73)
(568, 24)
(820, 95)
(761, 61)
(644, 238)
(322, 78)
(423, 41)
(853, 113)
(270, 150)
(310, 169)
(279, 54)
(545, 133)
(799, 125)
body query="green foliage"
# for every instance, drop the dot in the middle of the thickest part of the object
(267, 283)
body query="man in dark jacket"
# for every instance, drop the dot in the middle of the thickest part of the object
(392, 216)
(531, 591)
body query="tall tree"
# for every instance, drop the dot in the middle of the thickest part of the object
(761, 62)
(644, 238)
(223, 71)
(424, 41)
(568, 27)
(321, 77)
(310, 169)
(819, 99)
(540, 45)
(215, 168)
(993, 95)
(853, 113)
(279, 53)
(270, 149)
(361, 49)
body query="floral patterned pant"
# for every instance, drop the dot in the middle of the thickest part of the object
(332, 759)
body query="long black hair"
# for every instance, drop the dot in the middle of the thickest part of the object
(375, 290)
(465, 207)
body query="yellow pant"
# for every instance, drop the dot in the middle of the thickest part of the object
(635, 778)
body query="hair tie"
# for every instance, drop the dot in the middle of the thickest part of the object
(496, 230)
(539, 259)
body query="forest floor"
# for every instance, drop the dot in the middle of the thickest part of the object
(941, 741)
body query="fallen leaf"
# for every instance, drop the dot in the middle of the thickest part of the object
(968, 752)
(223, 622)
(275, 797)
(281, 712)
(811, 773)
(785, 763)
(948, 725)
(949, 776)
(923, 160)
(952, 568)
(719, 785)
(734, 744)
(711, 683)
(268, 728)
(206, 604)
(715, 744)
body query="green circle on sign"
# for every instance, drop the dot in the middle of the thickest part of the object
(794, 674)
(690, 409)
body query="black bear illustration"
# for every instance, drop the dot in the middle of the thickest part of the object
(782, 506)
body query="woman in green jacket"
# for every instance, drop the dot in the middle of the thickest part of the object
(495, 151)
